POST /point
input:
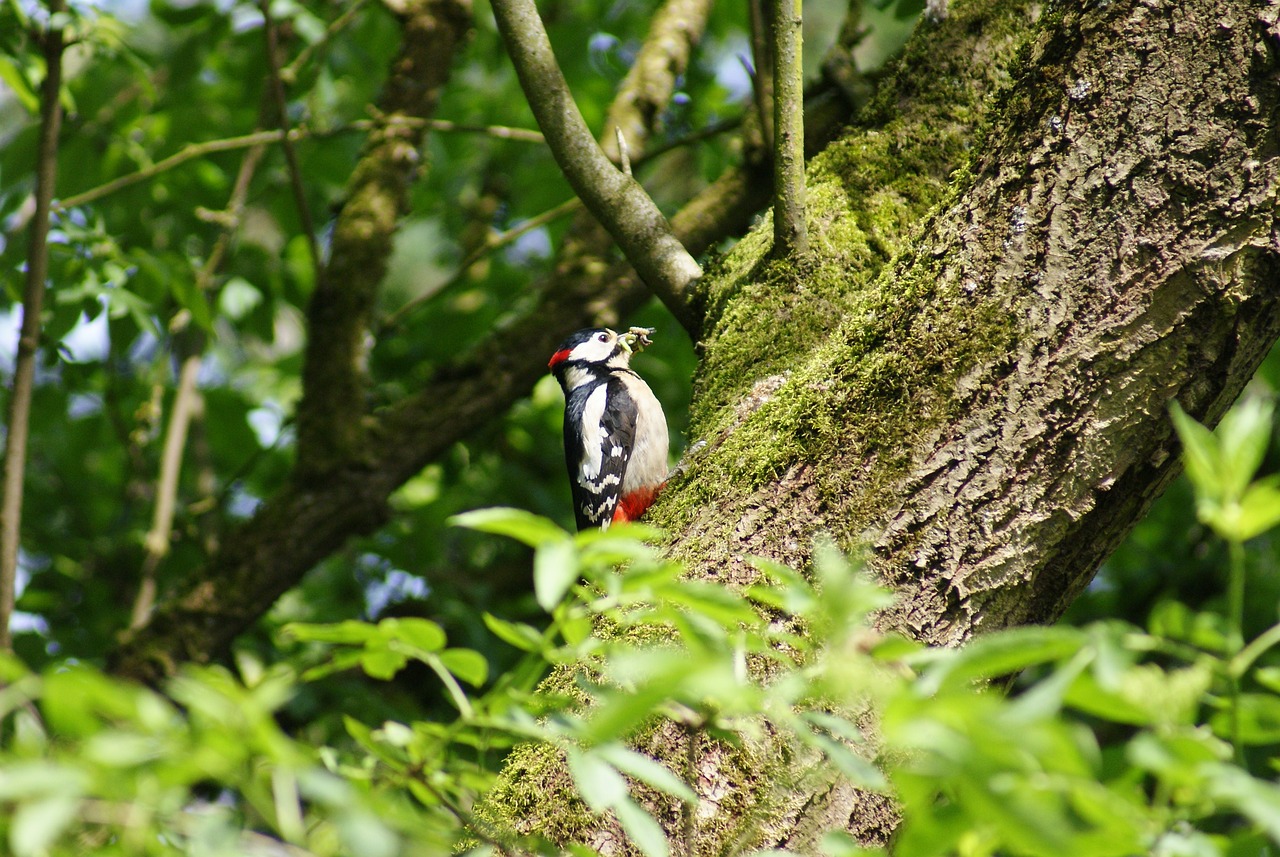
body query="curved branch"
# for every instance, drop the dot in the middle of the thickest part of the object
(615, 199)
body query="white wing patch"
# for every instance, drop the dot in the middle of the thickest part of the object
(593, 436)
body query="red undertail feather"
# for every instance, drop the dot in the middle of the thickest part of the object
(633, 505)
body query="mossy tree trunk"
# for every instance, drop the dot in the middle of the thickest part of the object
(1052, 223)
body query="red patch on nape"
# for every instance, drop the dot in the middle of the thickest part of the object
(559, 357)
(632, 506)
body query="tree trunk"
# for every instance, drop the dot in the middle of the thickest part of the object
(1042, 232)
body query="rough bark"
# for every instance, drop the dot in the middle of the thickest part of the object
(977, 396)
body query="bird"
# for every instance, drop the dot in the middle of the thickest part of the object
(615, 432)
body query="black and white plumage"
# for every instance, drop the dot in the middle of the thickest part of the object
(615, 433)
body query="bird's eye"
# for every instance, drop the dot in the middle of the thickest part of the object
(603, 337)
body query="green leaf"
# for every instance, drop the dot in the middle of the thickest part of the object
(419, 633)
(534, 530)
(1177, 756)
(382, 663)
(17, 81)
(1200, 453)
(646, 770)
(193, 300)
(1001, 653)
(1259, 715)
(1259, 509)
(28, 780)
(1268, 677)
(1143, 694)
(350, 632)
(576, 628)
(598, 782)
(555, 569)
(640, 826)
(1255, 799)
(37, 825)
(524, 637)
(468, 665)
(1243, 436)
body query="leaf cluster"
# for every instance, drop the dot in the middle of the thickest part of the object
(1116, 740)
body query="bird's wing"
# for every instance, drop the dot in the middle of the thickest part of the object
(608, 420)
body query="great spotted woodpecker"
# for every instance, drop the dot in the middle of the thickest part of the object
(615, 433)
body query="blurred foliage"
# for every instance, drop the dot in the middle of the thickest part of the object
(373, 707)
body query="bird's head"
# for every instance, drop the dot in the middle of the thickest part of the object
(598, 348)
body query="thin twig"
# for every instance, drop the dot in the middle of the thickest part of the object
(490, 245)
(634, 115)
(175, 441)
(624, 154)
(761, 69)
(276, 86)
(289, 74)
(497, 242)
(790, 235)
(186, 401)
(15, 458)
(616, 200)
(194, 151)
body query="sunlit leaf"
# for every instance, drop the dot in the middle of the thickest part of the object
(598, 782)
(642, 828)
(36, 824)
(419, 633)
(1001, 654)
(1259, 719)
(534, 530)
(555, 568)
(523, 637)
(351, 632)
(646, 770)
(1243, 435)
(1200, 453)
(468, 665)
(382, 663)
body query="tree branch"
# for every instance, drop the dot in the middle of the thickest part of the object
(15, 456)
(196, 151)
(332, 414)
(616, 200)
(156, 544)
(646, 91)
(186, 399)
(790, 235)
